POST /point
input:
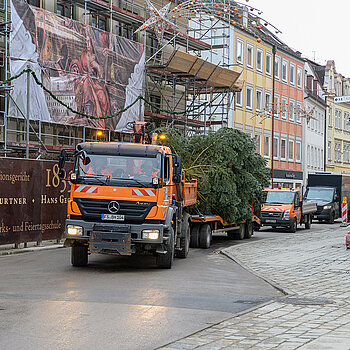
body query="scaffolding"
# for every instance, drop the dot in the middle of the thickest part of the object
(205, 106)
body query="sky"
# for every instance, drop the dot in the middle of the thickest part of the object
(319, 29)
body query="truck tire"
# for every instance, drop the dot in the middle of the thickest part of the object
(165, 261)
(293, 226)
(185, 237)
(194, 241)
(232, 234)
(205, 236)
(248, 230)
(79, 255)
(240, 234)
(308, 222)
(331, 219)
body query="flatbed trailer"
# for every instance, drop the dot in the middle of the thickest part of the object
(204, 226)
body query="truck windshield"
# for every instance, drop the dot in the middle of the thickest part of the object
(323, 194)
(279, 197)
(124, 170)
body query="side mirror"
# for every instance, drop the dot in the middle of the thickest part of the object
(177, 169)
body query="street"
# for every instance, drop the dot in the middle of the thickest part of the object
(122, 303)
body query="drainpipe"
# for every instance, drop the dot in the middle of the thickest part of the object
(273, 108)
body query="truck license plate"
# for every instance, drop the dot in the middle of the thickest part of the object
(271, 221)
(113, 217)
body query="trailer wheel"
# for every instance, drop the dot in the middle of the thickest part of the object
(194, 241)
(241, 232)
(185, 238)
(248, 230)
(165, 261)
(308, 222)
(79, 255)
(205, 236)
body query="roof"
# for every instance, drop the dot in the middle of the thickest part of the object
(193, 67)
(120, 149)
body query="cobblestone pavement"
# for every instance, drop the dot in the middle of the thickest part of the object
(313, 269)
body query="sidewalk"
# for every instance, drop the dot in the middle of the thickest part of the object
(314, 270)
(9, 249)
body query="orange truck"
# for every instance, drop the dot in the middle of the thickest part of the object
(284, 207)
(127, 198)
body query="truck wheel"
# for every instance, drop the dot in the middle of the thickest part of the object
(241, 232)
(331, 219)
(194, 241)
(79, 255)
(185, 238)
(308, 221)
(165, 261)
(205, 236)
(248, 230)
(293, 227)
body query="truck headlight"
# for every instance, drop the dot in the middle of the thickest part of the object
(74, 230)
(286, 214)
(150, 234)
(326, 207)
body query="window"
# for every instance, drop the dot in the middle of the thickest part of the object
(268, 106)
(34, 2)
(258, 101)
(277, 67)
(291, 110)
(239, 99)
(299, 77)
(277, 106)
(346, 152)
(338, 151)
(284, 111)
(250, 56)
(285, 71)
(267, 146)
(249, 97)
(346, 121)
(299, 112)
(258, 141)
(276, 140)
(292, 74)
(338, 119)
(268, 63)
(284, 147)
(291, 150)
(330, 122)
(65, 10)
(259, 59)
(127, 30)
(99, 22)
(239, 51)
(308, 156)
(298, 151)
(329, 150)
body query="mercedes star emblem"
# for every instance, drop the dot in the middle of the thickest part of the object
(113, 207)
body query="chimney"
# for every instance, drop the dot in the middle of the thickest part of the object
(314, 87)
(309, 80)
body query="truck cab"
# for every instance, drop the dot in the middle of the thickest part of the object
(283, 207)
(327, 201)
(128, 199)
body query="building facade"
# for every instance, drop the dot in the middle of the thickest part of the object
(314, 120)
(338, 120)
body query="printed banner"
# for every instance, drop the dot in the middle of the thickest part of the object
(33, 201)
(92, 71)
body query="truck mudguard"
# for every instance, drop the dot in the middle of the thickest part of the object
(170, 214)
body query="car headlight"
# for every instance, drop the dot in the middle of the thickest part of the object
(327, 207)
(74, 230)
(286, 214)
(150, 234)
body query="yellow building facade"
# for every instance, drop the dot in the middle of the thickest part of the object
(338, 121)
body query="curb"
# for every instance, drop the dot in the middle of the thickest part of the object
(29, 250)
(285, 291)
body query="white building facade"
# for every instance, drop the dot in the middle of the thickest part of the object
(315, 109)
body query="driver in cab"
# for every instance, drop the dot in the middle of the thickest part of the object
(148, 170)
(99, 168)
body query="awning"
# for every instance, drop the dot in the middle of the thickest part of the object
(209, 74)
